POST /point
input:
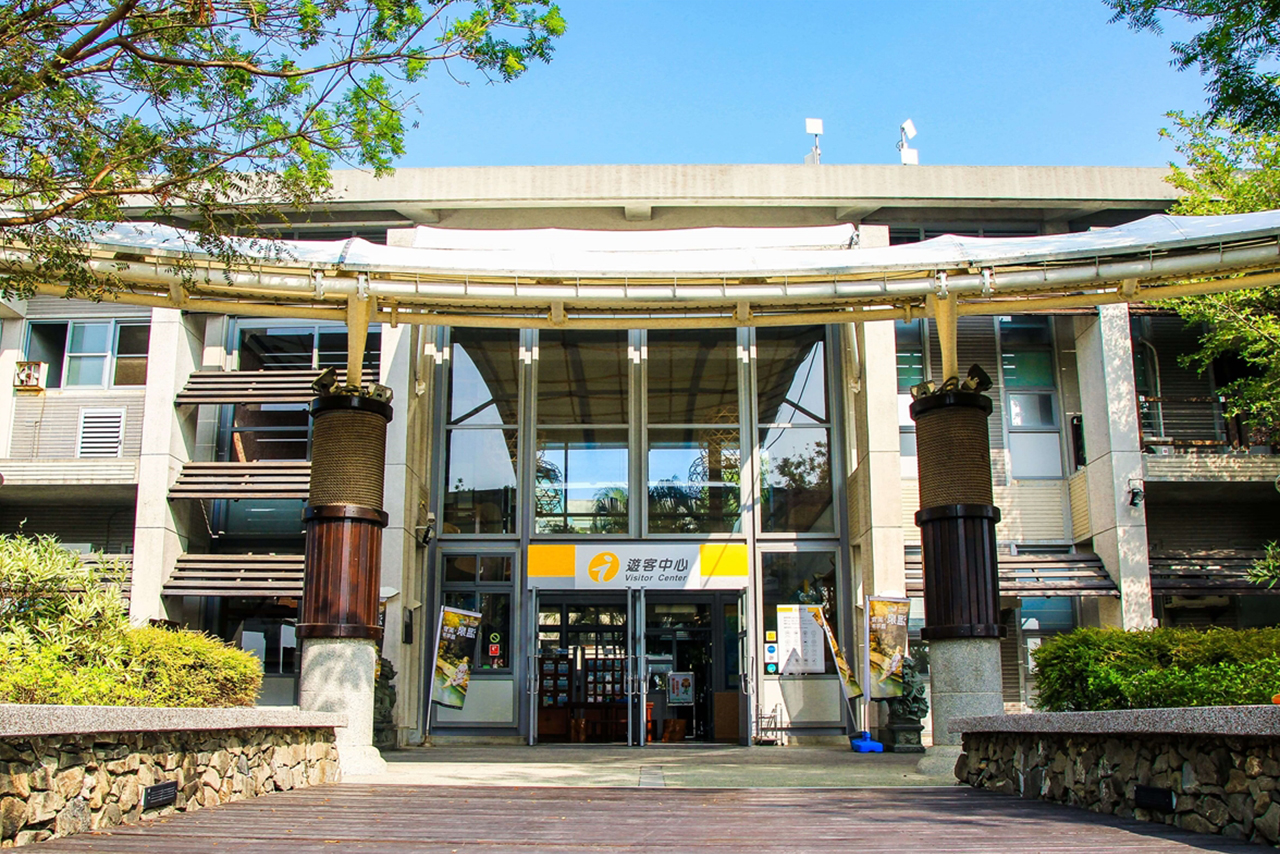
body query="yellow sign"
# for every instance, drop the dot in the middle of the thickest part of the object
(701, 566)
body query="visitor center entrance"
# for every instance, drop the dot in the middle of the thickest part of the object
(638, 668)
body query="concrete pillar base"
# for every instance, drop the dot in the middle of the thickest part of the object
(337, 675)
(965, 680)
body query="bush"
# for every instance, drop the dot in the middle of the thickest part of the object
(65, 639)
(1098, 669)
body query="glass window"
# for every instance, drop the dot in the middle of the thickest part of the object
(495, 620)
(87, 352)
(694, 478)
(908, 337)
(484, 376)
(583, 378)
(791, 377)
(582, 481)
(268, 431)
(795, 477)
(795, 463)
(1026, 356)
(800, 578)
(132, 340)
(90, 354)
(1035, 454)
(275, 516)
(1032, 411)
(296, 347)
(693, 379)
(1028, 369)
(482, 583)
(480, 482)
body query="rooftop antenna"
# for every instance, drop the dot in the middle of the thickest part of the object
(909, 155)
(813, 126)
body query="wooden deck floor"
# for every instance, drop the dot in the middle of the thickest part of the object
(412, 819)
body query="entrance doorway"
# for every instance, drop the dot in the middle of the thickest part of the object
(636, 669)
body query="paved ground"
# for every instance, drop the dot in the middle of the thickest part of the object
(657, 765)
(390, 819)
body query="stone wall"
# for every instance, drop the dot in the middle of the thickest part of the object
(1215, 783)
(61, 783)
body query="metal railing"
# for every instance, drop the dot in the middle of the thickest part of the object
(1196, 425)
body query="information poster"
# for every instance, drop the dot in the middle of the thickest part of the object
(886, 645)
(457, 636)
(679, 689)
(801, 642)
(847, 680)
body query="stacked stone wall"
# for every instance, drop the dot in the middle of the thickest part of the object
(58, 785)
(1218, 784)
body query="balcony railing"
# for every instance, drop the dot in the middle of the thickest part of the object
(1196, 425)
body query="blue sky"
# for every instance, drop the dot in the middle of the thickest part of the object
(705, 81)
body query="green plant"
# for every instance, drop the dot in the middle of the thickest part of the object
(65, 639)
(1098, 669)
(1266, 569)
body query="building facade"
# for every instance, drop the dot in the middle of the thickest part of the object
(568, 485)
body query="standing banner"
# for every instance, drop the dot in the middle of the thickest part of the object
(886, 645)
(457, 636)
(847, 680)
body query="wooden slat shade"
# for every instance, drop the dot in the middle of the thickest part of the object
(1207, 573)
(265, 479)
(226, 387)
(236, 575)
(1037, 575)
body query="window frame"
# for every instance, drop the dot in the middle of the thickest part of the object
(480, 588)
(109, 356)
(1051, 392)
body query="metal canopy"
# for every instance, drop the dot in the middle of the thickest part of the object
(691, 277)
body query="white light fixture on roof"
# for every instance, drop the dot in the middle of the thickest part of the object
(813, 126)
(909, 155)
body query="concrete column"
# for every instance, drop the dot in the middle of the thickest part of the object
(875, 489)
(1109, 403)
(876, 527)
(168, 437)
(403, 479)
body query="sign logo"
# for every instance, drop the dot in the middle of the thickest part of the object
(603, 567)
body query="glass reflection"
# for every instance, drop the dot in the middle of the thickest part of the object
(791, 375)
(693, 379)
(800, 578)
(694, 477)
(268, 431)
(480, 482)
(495, 619)
(581, 482)
(582, 378)
(795, 474)
(484, 386)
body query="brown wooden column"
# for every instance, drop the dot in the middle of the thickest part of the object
(344, 517)
(957, 516)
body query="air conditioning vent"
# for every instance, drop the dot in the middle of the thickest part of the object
(30, 375)
(101, 433)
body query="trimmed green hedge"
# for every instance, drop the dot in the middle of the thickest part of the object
(65, 639)
(1098, 669)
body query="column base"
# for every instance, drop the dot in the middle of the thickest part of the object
(337, 675)
(965, 682)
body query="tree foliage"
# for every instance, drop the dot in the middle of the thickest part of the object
(1230, 170)
(1235, 49)
(225, 109)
